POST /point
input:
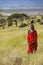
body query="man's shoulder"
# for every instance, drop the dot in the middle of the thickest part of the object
(35, 31)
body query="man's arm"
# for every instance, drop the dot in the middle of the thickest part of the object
(31, 43)
(35, 36)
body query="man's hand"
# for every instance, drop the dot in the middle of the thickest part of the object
(31, 43)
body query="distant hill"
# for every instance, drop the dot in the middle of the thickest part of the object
(17, 9)
(1, 10)
(22, 9)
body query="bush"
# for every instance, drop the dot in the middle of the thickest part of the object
(23, 25)
(39, 20)
(32, 21)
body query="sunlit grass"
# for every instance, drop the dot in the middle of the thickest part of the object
(13, 43)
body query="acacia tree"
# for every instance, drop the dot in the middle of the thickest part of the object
(23, 17)
(14, 17)
(2, 23)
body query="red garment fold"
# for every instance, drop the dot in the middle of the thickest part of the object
(32, 39)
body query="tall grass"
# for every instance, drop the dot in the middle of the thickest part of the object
(13, 46)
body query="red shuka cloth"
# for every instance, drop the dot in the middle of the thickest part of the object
(32, 37)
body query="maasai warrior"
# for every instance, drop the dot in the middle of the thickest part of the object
(32, 39)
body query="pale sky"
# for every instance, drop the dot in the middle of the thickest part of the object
(10, 3)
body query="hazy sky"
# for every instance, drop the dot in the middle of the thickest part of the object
(9, 3)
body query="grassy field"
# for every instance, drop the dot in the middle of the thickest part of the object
(13, 45)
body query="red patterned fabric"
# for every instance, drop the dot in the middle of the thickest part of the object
(32, 41)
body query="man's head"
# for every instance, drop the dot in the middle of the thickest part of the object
(31, 26)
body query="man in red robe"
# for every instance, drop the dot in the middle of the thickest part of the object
(32, 39)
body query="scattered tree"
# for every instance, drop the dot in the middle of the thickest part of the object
(39, 20)
(2, 23)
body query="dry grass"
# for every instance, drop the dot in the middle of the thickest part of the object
(13, 47)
